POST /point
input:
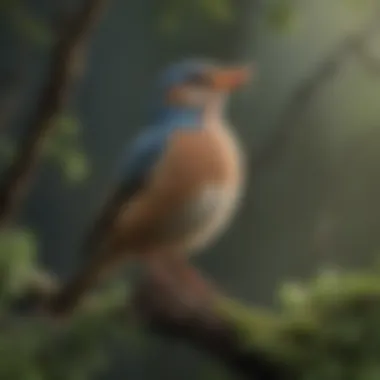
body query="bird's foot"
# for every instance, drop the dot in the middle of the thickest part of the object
(193, 285)
(176, 277)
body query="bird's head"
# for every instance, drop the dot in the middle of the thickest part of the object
(194, 83)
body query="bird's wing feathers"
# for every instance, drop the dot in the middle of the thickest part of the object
(137, 163)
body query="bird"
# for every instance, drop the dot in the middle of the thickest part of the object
(179, 183)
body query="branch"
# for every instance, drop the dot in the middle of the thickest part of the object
(207, 324)
(67, 67)
(10, 98)
(249, 341)
(288, 121)
(329, 323)
(369, 61)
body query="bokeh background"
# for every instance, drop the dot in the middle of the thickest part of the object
(309, 124)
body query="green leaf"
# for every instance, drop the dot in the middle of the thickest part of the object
(17, 242)
(327, 281)
(63, 147)
(18, 254)
(68, 125)
(293, 295)
(63, 137)
(75, 166)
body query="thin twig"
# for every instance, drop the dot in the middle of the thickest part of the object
(67, 67)
(289, 119)
(369, 61)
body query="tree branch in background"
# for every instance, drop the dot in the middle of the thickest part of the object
(288, 121)
(67, 67)
(368, 60)
(11, 97)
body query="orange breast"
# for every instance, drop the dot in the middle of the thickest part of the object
(193, 161)
(199, 157)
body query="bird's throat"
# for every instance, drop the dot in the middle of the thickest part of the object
(170, 115)
(211, 114)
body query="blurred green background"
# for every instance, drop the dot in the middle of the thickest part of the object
(313, 205)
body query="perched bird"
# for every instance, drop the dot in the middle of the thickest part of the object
(180, 182)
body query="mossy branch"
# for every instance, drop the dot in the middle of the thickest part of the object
(214, 324)
(326, 328)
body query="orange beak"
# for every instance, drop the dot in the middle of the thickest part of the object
(229, 79)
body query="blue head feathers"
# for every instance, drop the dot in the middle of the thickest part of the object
(139, 158)
(190, 85)
(175, 75)
(180, 72)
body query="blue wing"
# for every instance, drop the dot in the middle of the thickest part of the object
(146, 150)
(137, 161)
(139, 158)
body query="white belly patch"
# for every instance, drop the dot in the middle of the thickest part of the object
(203, 218)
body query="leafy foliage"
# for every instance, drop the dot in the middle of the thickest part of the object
(63, 148)
(343, 311)
(31, 348)
(18, 250)
(327, 327)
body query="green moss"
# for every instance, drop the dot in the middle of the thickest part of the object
(256, 328)
(326, 327)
